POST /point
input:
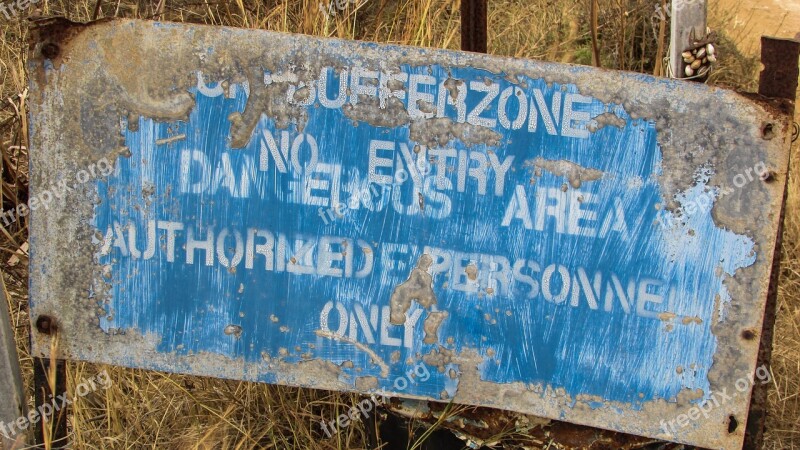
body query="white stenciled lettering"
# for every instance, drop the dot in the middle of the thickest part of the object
(425, 95)
(491, 90)
(286, 154)
(362, 82)
(575, 212)
(197, 176)
(222, 249)
(264, 249)
(380, 169)
(195, 170)
(522, 111)
(370, 326)
(417, 99)
(478, 274)
(341, 93)
(573, 117)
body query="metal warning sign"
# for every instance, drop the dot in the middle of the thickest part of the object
(575, 244)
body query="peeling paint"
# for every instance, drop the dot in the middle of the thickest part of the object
(431, 326)
(606, 119)
(441, 131)
(571, 171)
(354, 301)
(417, 288)
(375, 358)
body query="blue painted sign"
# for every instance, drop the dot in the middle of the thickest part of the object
(506, 226)
(520, 232)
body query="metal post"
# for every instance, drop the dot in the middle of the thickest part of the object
(779, 77)
(688, 25)
(473, 26)
(12, 393)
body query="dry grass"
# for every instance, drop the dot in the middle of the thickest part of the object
(153, 410)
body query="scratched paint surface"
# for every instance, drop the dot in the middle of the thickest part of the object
(568, 278)
(489, 231)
